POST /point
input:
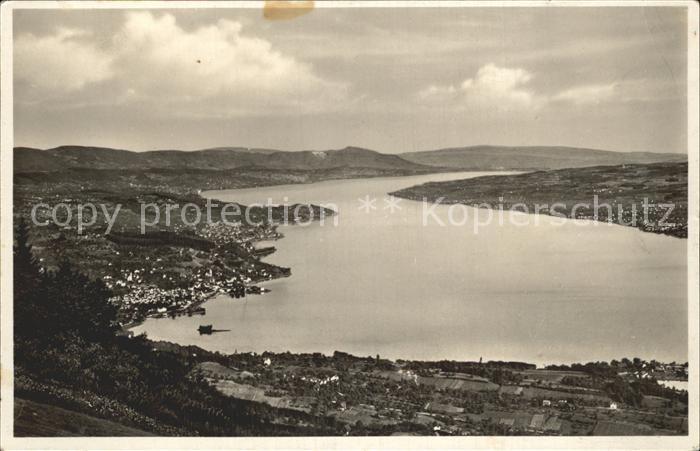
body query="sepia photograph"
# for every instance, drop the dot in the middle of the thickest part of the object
(349, 225)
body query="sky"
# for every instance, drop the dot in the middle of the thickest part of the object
(389, 79)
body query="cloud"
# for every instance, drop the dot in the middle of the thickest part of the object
(217, 67)
(588, 94)
(61, 63)
(502, 90)
(493, 88)
(153, 63)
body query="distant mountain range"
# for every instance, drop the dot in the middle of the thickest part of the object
(477, 158)
(540, 157)
(66, 157)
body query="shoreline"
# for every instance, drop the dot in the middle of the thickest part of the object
(253, 284)
(665, 184)
(594, 222)
(207, 194)
(212, 194)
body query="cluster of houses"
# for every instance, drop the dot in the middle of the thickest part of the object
(538, 423)
(659, 371)
(234, 232)
(154, 278)
(140, 296)
(147, 300)
(133, 277)
(320, 381)
(161, 286)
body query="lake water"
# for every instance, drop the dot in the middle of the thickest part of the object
(677, 385)
(385, 283)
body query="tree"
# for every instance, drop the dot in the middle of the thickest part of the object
(29, 311)
(80, 304)
(26, 269)
(62, 301)
(638, 363)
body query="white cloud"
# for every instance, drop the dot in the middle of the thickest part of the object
(502, 89)
(493, 88)
(59, 63)
(155, 64)
(503, 86)
(217, 63)
(588, 94)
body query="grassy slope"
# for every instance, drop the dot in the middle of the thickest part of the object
(33, 419)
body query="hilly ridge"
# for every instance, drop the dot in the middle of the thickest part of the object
(28, 159)
(534, 157)
(68, 157)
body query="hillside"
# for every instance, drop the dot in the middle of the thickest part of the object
(347, 157)
(541, 157)
(624, 187)
(67, 157)
(225, 158)
(33, 419)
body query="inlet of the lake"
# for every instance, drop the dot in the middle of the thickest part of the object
(384, 282)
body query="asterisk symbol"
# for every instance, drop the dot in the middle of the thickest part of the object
(367, 204)
(392, 204)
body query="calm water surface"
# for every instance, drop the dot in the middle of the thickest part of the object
(677, 385)
(383, 283)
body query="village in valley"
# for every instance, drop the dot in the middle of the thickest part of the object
(171, 269)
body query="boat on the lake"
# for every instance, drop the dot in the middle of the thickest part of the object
(207, 329)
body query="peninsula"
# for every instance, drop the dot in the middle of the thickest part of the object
(621, 192)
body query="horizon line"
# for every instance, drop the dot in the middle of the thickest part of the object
(254, 148)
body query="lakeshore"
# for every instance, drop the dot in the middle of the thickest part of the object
(347, 300)
(652, 198)
(403, 389)
(167, 270)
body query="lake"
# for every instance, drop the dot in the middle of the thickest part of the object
(383, 282)
(676, 385)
